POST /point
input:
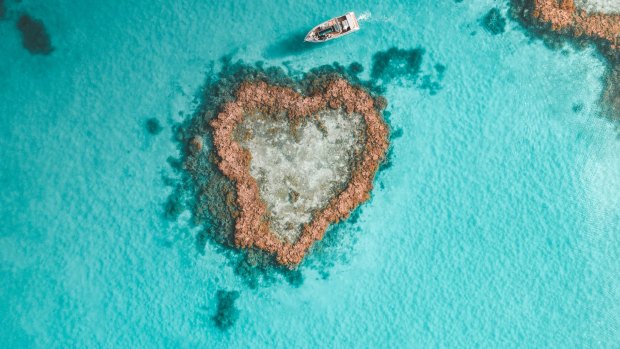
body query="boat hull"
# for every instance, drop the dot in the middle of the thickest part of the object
(333, 28)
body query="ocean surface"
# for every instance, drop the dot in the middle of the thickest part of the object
(496, 223)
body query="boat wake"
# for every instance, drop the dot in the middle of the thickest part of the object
(366, 16)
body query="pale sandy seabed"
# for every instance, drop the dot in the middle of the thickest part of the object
(300, 171)
(604, 6)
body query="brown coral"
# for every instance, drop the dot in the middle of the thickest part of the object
(564, 17)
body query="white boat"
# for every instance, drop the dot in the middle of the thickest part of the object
(334, 28)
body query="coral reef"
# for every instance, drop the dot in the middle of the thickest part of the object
(564, 17)
(552, 20)
(252, 228)
(35, 38)
(211, 197)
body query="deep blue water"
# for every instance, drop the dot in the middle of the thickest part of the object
(495, 226)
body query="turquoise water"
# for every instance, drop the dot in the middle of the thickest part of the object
(496, 225)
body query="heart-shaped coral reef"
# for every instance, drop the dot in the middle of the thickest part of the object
(298, 163)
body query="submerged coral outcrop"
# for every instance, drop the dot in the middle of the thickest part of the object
(493, 22)
(35, 37)
(284, 210)
(227, 313)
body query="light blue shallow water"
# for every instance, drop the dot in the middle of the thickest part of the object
(496, 226)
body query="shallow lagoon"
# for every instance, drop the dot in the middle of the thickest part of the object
(494, 224)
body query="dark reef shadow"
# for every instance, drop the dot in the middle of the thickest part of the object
(153, 126)
(2, 10)
(396, 63)
(35, 37)
(226, 313)
(493, 22)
